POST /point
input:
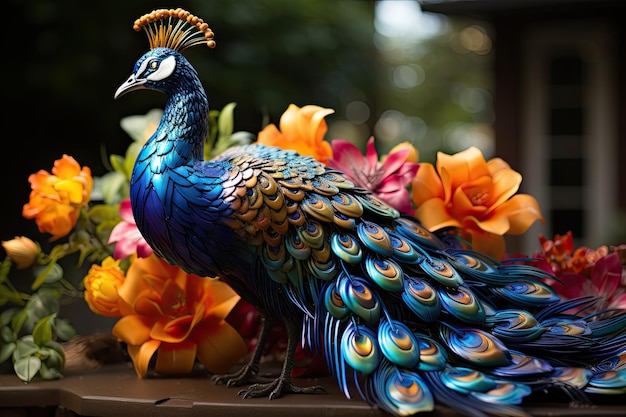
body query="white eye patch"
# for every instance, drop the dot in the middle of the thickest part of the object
(165, 69)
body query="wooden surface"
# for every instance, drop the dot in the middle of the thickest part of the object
(115, 391)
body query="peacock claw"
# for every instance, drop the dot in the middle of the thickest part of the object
(245, 375)
(277, 388)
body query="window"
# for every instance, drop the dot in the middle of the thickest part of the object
(569, 136)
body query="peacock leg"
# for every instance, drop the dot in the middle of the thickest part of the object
(282, 384)
(249, 372)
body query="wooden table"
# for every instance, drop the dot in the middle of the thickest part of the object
(115, 391)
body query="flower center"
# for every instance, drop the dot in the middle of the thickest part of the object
(177, 305)
(479, 198)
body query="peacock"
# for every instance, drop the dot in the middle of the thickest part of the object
(404, 317)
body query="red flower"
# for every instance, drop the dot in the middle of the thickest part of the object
(586, 272)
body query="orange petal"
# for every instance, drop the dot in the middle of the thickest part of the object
(314, 122)
(220, 346)
(426, 184)
(288, 123)
(143, 274)
(73, 189)
(134, 329)
(148, 303)
(175, 359)
(269, 135)
(66, 167)
(178, 329)
(506, 182)
(222, 299)
(461, 167)
(489, 244)
(141, 356)
(496, 223)
(522, 210)
(434, 216)
(472, 198)
(497, 164)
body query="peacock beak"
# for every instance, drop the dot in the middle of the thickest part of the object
(131, 84)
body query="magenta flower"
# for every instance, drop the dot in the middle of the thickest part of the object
(127, 237)
(387, 180)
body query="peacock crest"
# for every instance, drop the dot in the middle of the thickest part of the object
(176, 29)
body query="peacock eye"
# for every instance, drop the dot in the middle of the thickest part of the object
(153, 65)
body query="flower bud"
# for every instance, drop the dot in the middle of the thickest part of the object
(22, 251)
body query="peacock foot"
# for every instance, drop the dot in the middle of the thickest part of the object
(246, 375)
(277, 388)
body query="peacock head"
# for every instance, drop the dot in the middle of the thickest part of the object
(169, 32)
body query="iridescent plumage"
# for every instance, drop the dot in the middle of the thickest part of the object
(402, 317)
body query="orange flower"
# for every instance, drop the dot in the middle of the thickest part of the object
(55, 200)
(178, 316)
(475, 196)
(302, 130)
(22, 251)
(101, 288)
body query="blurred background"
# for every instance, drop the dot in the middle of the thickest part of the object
(425, 72)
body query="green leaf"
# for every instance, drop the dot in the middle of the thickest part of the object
(26, 368)
(54, 358)
(18, 320)
(55, 274)
(225, 121)
(63, 329)
(42, 333)
(49, 373)
(60, 251)
(117, 163)
(115, 187)
(131, 156)
(6, 350)
(136, 126)
(5, 267)
(236, 139)
(25, 347)
(56, 346)
(103, 212)
(51, 269)
(10, 295)
(42, 304)
(7, 315)
(7, 335)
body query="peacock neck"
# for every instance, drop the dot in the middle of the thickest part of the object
(180, 136)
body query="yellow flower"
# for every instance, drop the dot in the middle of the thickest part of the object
(56, 199)
(475, 196)
(22, 251)
(101, 288)
(178, 316)
(302, 130)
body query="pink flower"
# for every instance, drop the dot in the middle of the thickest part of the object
(387, 180)
(129, 239)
